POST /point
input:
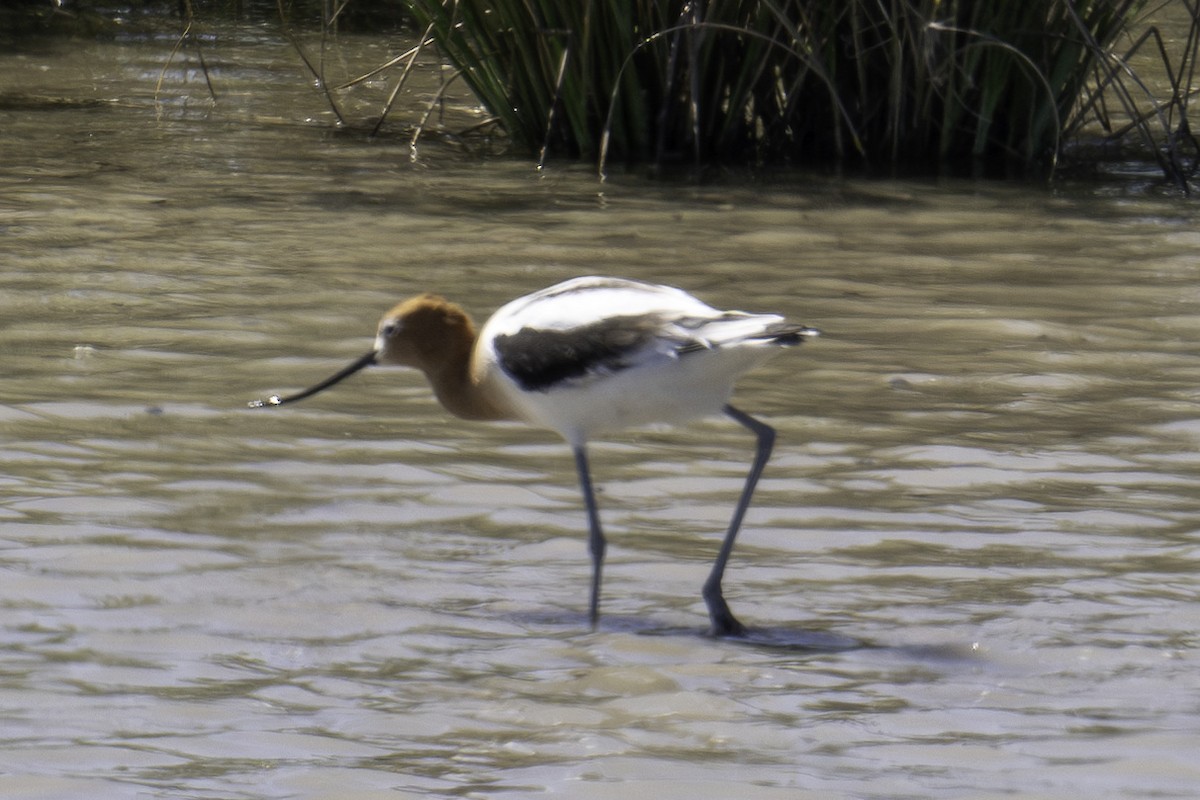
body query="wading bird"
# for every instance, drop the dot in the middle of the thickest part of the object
(584, 357)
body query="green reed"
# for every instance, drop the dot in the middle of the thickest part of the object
(917, 82)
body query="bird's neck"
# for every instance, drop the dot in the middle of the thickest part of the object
(458, 390)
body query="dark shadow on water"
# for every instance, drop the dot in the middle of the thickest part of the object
(796, 639)
(781, 638)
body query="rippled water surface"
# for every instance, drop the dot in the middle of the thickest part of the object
(972, 563)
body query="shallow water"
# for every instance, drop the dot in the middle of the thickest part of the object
(971, 565)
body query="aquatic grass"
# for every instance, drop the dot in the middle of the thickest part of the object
(1159, 121)
(653, 80)
(187, 18)
(923, 83)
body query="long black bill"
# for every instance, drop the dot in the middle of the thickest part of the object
(275, 400)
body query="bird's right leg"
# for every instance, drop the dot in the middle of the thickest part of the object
(723, 621)
(596, 543)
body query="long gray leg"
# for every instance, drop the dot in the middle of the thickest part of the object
(723, 621)
(596, 544)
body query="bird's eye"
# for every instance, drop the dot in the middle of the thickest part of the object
(388, 329)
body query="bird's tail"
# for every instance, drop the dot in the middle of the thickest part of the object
(787, 334)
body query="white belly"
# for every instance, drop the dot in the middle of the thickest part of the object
(671, 392)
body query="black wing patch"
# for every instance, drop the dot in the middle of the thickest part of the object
(540, 359)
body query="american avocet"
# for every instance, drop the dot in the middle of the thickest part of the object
(583, 357)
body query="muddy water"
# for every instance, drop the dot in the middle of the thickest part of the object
(974, 554)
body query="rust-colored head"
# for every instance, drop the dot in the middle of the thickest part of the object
(426, 332)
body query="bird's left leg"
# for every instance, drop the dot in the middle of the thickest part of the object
(596, 543)
(723, 621)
